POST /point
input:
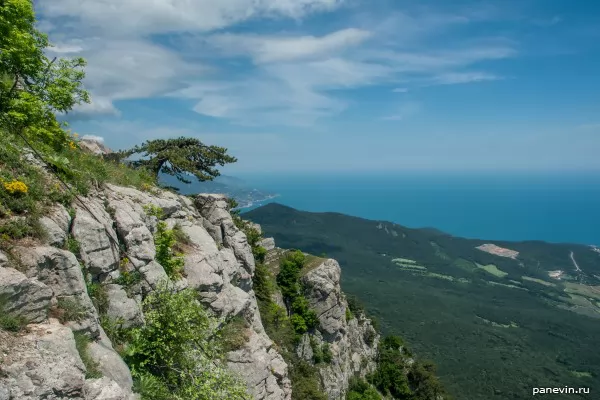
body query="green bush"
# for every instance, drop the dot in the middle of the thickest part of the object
(91, 367)
(234, 334)
(349, 315)
(175, 346)
(10, 322)
(305, 382)
(70, 310)
(164, 240)
(359, 389)
(99, 296)
(73, 245)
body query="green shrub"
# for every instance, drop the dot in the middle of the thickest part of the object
(153, 210)
(164, 240)
(151, 387)
(128, 279)
(305, 382)
(70, 310)
(91, 367)
(327, 355)
(389, 377)
(73, 245)
(234, 334)
(99, 296)
(114, 330)
(349, 315)
(175, 346)
(359, 389)
(10, 322)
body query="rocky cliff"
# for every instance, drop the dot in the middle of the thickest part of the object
(113, 232)
(109, 234)
(351, 340)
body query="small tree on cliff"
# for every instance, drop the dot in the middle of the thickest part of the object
(179, 157)
(34, 88)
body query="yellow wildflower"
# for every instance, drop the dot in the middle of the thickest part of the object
(72, 145)
(75, 135)
(15, 187)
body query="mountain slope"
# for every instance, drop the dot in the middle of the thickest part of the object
(496, 326)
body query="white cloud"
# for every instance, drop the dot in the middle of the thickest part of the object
(400, 90)
(93, 138)
(98, 106)
(122, 17)
(266, 49)
(453, 78)
(291, 78)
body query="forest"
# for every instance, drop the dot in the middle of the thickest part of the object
(496, 327)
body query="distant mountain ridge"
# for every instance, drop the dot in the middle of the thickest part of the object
(496, 324)
(245, 194)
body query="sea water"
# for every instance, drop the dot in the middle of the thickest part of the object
(554, 207)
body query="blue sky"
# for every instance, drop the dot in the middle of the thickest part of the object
(343, 85)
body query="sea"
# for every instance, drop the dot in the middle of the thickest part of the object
(552, 207)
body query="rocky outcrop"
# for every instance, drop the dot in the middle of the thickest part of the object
(45, 364)
(352, 340)
(112, 232)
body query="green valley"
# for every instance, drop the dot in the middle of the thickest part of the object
(498, 319)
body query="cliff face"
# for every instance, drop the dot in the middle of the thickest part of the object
(352, 340)
(42, 278)
(113, 232)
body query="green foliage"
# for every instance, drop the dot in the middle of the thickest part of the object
(263, 282)
(99, 296)
(303, 318)
(446, 321)
(151, 387)
(389, 377)
(91, 367)
(164, 240)
(327, 355)
(152, 210)
(322, 353)
(359, 389)
(180, 157)
(10, 322)
(175, 347)
(32, 87)
(114, 330)
(68, 309)
(72, 245)
(234, 334)
(128, 279)
(305, 382)
(424, 382)
(349, 315)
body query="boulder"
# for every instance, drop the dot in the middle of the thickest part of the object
(23, 297)
(43, 364)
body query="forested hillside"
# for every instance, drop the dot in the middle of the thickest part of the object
(496, 326)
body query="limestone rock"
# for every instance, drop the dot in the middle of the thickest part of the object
(109, 362)
(60, 271)
(353, 344)
(3, 260)
(268, 244)
(44, 364)
(98, 251)
(24, 297)
(121, 306)
(104, 389)
(55, 236)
